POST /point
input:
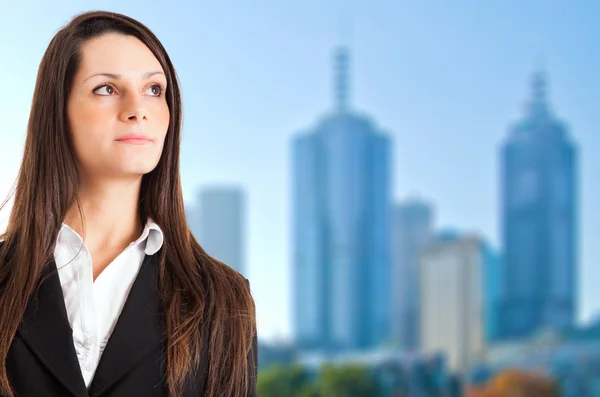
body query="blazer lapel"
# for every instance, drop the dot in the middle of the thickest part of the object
(139, 328)
(45, 329)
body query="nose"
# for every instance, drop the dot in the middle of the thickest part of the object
(138, 114)
(134, 110)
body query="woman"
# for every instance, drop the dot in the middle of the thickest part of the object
(103, 289)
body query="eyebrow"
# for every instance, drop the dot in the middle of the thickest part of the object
(115, 76)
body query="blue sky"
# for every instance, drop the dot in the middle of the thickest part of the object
(444, 80)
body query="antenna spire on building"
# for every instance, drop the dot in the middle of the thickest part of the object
(341, 78)
(342, 64)
(539, 87)
(539, 93)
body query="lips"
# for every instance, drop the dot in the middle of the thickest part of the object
(137, 139)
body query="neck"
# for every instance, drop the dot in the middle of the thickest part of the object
(109, 213)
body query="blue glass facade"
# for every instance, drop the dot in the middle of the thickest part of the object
(539, 221)
(412, 229)
(341, 203)
(492, 290)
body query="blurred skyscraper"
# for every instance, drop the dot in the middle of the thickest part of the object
(341, 216)
(218, 221)
(539, 220)
(459, 299)
(411, 230)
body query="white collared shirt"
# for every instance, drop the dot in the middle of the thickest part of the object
(93, 307)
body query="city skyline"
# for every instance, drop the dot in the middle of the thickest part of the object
(441, 78)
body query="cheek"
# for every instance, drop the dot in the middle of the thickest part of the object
(88, 126)
(162, 120)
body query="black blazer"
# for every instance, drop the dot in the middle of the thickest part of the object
(42, 361)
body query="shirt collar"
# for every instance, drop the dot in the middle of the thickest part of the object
(155, 237)
(152, 235)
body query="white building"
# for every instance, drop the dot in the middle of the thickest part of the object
(452, 300)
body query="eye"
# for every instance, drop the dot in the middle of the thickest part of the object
(104, 90)
(155, 90)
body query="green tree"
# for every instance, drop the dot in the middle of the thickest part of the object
(309, 390)
(346, 381)
(283, 381)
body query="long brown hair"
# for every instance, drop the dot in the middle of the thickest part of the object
(200, 294)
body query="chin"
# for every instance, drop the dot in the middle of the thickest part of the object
(140, 167)
(133, 172)
(143, 171)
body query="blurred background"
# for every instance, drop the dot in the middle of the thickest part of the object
(409, 186)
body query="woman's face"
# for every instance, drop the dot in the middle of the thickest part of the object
(117, 109)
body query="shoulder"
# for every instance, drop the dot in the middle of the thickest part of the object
(223, 282)
(232, 275)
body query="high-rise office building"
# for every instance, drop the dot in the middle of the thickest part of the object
(412, 228)
(218, 222)
(341, 216)
(460, 291)
(539, 220)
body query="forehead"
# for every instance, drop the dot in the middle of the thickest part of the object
(117, 53)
